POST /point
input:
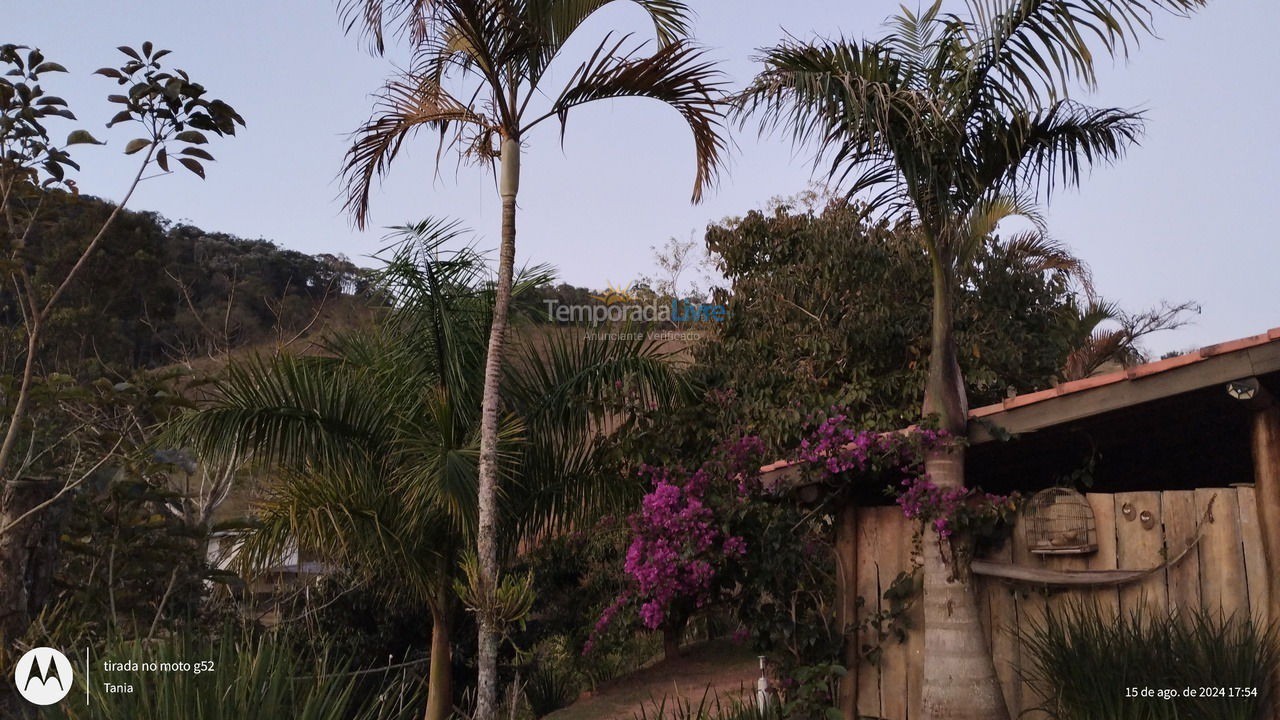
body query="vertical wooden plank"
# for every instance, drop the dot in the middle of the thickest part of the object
(847, 603)
(1104, 517)
(1222, 578)
(915, 636)
(894, 551)
(1031, 604)
(984, 600)
(1060, 601)
(869, 590)
(1265, 443)
(1255, 559)
(1002, 623)
(1180, 521)
(1138, 548)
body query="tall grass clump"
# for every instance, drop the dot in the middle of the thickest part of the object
(238, 678)
(550, 687)
(1089, 665)
(709, 707)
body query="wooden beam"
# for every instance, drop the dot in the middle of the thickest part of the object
(847, 602)
(1265, 440)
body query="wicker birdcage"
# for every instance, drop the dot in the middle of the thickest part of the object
(1059, 521)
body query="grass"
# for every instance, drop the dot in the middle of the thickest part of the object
(1199, 666)
(709, 707)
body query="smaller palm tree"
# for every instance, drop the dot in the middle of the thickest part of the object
(376, 439)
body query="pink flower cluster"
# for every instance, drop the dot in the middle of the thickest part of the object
(676, 545)
(951, 510)
(606, 618)
(742, 463)
(679, 547)
(836, 447)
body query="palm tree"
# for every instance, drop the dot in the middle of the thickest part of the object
(944, 113)
(479, 79)
(1109, 336)
(378, 436)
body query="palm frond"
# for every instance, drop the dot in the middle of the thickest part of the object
(1029, 52)
(1038, 252)
(1102, 346)
(917, 37)
(987, 214)
(288, 410)
(570, 390)
(435, 462)
(676, 74)
(376, 19)
(1121, 342)
(850, 99)
(405, 105)
(348, 518)
(555, 21)
(439, 303)
(1052, 146)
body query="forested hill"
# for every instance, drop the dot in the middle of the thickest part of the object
(157, 292)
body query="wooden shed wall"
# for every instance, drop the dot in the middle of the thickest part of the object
(1225, 572)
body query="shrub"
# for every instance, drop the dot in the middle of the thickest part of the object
(1088, 665)
(550, 687)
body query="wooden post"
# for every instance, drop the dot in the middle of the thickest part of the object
(1266, 475)
(847, 602)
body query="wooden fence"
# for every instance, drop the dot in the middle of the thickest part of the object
(1224, 572)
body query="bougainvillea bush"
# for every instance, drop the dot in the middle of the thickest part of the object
(691, 540)
(966, 519)
(836, 450)
(718, 537)
(685, 552)
(955, 512)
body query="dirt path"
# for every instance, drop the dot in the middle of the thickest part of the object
(714, 668)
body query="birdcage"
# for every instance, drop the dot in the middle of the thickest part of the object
(1059, 521)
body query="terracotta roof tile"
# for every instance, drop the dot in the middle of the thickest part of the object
(1133, 373)
(1160, 366)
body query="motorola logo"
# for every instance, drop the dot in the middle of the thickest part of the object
(43, 676)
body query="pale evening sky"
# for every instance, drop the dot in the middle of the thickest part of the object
(1189, 215)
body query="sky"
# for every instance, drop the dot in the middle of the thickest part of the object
(1191, 214)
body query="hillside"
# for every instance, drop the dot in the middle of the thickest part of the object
(158, 292)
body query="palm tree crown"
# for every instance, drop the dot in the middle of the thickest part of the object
(479, 68)
(946, 111)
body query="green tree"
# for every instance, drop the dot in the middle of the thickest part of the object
(172, 115)
(479, 78)
(171, 112)
(380, 444)
(946, 117)
(829, 308)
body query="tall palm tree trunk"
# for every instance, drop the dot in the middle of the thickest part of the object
(960, 681)
(486, 540)
(440, 677)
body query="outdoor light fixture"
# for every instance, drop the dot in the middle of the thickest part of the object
(1246, 389)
